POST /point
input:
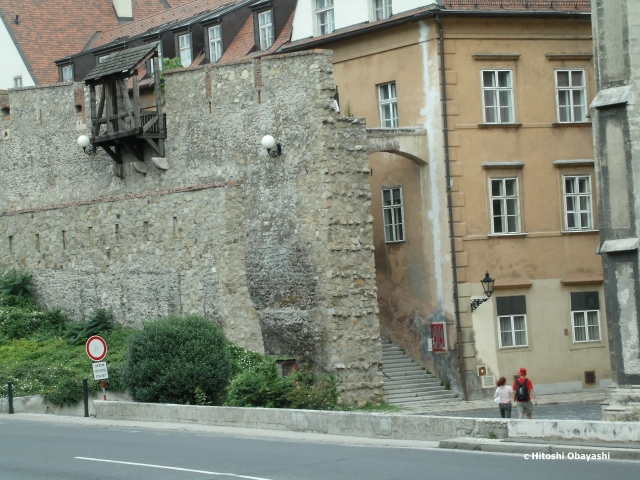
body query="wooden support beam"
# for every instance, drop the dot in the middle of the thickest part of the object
(157, 147)
(137, 152)
(136, 98)
(158, 89)
(92, 103)
(114, 154)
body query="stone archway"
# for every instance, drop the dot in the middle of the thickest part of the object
(408, 142)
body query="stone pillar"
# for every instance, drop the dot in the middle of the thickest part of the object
(616, 129)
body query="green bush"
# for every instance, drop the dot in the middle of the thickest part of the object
(16, 283)
(242, 359)
(172, 357)
(260, 386)
(30, 320)
(79, 332)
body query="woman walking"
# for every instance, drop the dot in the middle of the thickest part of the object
(503, 394)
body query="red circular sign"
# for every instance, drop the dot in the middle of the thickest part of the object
(96, 348)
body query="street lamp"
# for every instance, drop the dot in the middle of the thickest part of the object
(85, 143)
(487, 286)
(269, 143)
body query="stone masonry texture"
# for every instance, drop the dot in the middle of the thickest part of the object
(278, 251)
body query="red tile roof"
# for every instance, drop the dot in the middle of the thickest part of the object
(50, 30)
(520, 5)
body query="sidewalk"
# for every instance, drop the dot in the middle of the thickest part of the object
(488, 403)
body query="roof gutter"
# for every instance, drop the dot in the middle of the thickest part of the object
(421, 16)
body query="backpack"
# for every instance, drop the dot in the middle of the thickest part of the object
(522, 392)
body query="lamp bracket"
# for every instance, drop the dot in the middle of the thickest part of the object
(476, 302)
(275, 153)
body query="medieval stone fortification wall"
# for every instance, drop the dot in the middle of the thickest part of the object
(278, 251)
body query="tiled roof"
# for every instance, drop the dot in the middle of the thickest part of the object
(49, 30)
(450, 7)
(121, 61)
(520, 5)
(181, 12)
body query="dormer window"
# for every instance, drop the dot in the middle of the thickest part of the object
(66, 73)
(324, 17)
(184, 46)
(265, 29)
(215, 43)
(102, 58)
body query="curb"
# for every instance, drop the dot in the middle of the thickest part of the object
(542, 448)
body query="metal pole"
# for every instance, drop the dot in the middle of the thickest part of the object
(85, 387)
(104, 394)
(10, 387)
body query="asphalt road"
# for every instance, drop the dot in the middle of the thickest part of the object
(32, 450)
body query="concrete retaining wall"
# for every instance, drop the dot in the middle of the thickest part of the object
(37, 404)
(575, 430)
(356, 424)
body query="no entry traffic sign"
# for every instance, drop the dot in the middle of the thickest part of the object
(96, 348)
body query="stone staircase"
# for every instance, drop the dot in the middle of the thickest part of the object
(406, 383)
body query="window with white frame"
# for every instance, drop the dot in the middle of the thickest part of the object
(512, 321)
(585, 316)
(324, 17)
(393, 214)
(571, 95)
(215, 43)
(505, 205)
(102, 58)
(381, 9)
(265, 29)
(388, 105)
(577, 202)
(497, 96)
(17, 82)
(184, 46)
(67, 73)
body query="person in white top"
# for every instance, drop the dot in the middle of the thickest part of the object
(503, 397)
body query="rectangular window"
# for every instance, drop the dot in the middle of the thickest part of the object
(381, 9)
(388, 105)
(67, 73)
(324, 16)
(17, 82)
(577, 202)
(102, 58)
(512, 321)
(184, 44)
(571, 96)
(585, 316)
(215, 43)
(393, 214)
(152, 68)
(497, 96)
(505, 205)
(265, 26)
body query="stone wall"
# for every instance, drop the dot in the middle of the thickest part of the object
(278, 251)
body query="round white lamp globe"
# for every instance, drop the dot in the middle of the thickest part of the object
(268, 142)
(83, 141)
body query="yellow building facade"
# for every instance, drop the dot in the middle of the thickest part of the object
(507, 188)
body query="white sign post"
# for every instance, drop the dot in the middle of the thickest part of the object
(96, 348)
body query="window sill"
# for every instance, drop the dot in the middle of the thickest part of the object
(394, 243)
(506, 235)
(571, 124)
(574, 232)
(519, 348)
(499, 125)
(584, 345)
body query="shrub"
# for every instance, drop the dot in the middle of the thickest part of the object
(170, 358)
(260, 386)
(30, 320)
(79, 332)
(242, 359)
(16, 283)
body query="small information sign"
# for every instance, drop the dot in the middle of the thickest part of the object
(438, 337)
(100, 371)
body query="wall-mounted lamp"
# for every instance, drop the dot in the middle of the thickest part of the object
(269, 143)
(86, 145)
(487, 285)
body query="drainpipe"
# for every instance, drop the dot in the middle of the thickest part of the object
(445, 131)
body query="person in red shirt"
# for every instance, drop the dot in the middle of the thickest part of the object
(524, 406)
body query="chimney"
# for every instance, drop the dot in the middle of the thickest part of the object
(123, 8)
